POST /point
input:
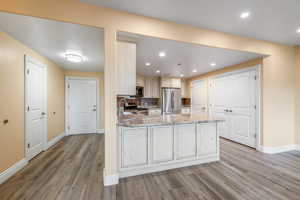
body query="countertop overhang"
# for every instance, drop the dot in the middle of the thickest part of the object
(166, 119)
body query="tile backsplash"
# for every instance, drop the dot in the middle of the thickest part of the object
(148, 101)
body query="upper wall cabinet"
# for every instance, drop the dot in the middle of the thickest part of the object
(185, 89)
(126, 72)
(152, 89)
(171, 82)
(140, 81)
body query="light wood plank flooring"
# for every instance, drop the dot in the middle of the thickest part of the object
(72, 169)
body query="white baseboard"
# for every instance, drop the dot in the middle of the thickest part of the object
(109, 180)
(167, 166)
(12, 170)
(55, 140)
(281, 149)
(297, 147)
(100, 131)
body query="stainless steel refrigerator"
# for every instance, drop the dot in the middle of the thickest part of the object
(171, 100)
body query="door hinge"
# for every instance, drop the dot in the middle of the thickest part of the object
(28, 145)
(27, 71)
(255, 135)
(69, 127)
(255, 77)
(255, 107)
(28, 108)
(69, 86)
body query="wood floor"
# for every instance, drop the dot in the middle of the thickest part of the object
(73, 170)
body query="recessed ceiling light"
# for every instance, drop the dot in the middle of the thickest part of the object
(181, 75)
(298, 31)
(74, 57)
(157, 71)
(162, 54)
(213, 64)
(147, 64)
(194, 70)
(245, 15)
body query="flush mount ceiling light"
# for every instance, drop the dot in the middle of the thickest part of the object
(194, 70)
(245, 15)
(157, 71)
(147, 64)
(74, 57)
(298, 30)
(213, 64)
(162, 54)
(181, 75)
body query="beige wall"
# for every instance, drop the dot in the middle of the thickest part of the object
(297, 110)
(278, 81)
(12, 99)
(100, 77)
(243, 65)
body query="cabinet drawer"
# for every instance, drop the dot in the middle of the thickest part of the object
(185, 110)
(155, 112)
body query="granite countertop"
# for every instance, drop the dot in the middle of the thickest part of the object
(149, 107)
(144, 120)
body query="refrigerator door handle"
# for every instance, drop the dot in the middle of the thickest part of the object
(172, 101)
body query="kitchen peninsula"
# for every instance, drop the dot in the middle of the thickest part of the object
(156, 143)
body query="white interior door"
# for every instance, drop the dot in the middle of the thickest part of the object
(36, 95)
(233, 97)
(199, 97)
(82, 106)
(219, 102)
(242, 108)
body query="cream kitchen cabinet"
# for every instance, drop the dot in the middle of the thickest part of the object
(207, 139)
(171, 82)
(185, 89)
(134, 151)
(161, 144)
(186, 110)
(154, 111)
(146, 149)
(140, 81)
(186, 141)
(151, 89)
(126, 72)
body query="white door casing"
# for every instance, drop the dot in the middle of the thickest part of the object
(82, 105)
(35, 107)
(199, 97)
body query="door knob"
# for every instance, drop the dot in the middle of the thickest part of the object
(94, 109)
(43, 113)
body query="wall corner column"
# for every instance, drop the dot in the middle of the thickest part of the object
(110, 173)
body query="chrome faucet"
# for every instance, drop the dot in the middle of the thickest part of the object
(120, 111)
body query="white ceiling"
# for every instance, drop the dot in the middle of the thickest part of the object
(190, 57)
(53, 39)
(270, 20)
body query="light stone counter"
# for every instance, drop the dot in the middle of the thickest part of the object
(144, 120)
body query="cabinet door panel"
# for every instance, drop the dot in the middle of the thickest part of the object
(126, 73)
(207, 139)
(162, 143)
(186, 141)
(134, 147)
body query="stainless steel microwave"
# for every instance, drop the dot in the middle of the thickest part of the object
(139, 91)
